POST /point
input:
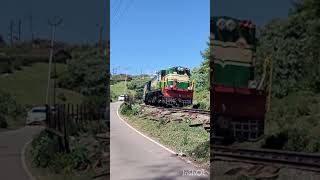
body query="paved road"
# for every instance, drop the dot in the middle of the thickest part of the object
(134, 157)
(11, 145)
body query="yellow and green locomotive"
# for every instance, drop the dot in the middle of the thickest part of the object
(170, 87)
(239, 101)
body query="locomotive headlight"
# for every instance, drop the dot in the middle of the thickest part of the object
(231, 25)
(221, 24)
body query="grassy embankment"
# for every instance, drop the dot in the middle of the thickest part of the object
(117, 89)
(28, 88)
(192, 141)
(30, 84)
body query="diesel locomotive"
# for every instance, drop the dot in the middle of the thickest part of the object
(238, 103)
(171, 87)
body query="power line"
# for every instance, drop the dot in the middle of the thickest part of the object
(125, 10)
(116, 12)
(114, 3)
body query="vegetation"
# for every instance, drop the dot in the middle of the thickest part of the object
(192, 141)
(12, 114)
(46, 160)
(201, 75)
(86, 74)
(46, 152)
(137, 85)
(30, 85)
(293, 45)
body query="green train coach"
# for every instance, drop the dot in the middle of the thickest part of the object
(239, 106)
(170, 87)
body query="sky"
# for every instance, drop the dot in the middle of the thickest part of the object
(150, 35)
(80, 18)
(259, 11)
(155, 34)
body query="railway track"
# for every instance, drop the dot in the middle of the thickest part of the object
(206, 125)
(176, 109)
(305, 161)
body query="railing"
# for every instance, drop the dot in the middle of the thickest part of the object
(67, 119)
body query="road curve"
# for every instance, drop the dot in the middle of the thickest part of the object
(134, 157)
(11, 146)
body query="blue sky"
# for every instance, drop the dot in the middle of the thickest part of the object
(79, 18)
(155, 34)
(149, 35)
(259, 11)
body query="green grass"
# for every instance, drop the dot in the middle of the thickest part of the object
(118, 89)
(192, 141)
(29, 85)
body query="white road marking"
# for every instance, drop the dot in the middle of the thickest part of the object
(169, 150)
(23, 160)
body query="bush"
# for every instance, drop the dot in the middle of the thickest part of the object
(76, 160)
(79, 157)
(44, 149)
(127, 109)
(3, 122)
(298, 140)
(61, 162)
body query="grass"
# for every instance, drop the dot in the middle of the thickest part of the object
(118, 89)
(46, 174)
(29, 85)
(192, 141)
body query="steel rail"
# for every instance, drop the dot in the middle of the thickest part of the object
(306, 161)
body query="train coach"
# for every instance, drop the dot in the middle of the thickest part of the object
(170, 87)
(238, 103)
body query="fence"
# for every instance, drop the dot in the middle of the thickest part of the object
(67, 119)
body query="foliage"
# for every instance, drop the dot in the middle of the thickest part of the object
(86, 74)
(62, 96)
(45, 154)
(130, 109)
(44, 149)
(293, 46)
(3, 122)
(201, 75)
(137, 85)
(10, 109)
(293, 121)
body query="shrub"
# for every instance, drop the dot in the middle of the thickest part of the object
(297, 140)
(44, 148)
(79, 157)
(61, 162)
(3, 122)
(130, 109)
(125, 109)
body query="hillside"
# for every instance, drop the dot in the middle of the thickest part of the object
(28, 85)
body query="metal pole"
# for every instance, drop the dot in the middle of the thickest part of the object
(50, 62)
(11, 32)
(125, 84)
(54, 23)
(19, 29)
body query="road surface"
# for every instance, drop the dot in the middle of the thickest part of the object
(134, 157)
(11, 145)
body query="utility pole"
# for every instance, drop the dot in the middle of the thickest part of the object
(125, 84)
(19, 30)
(11, 32)
(31, 27)
(100, 39)
(54, 22)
